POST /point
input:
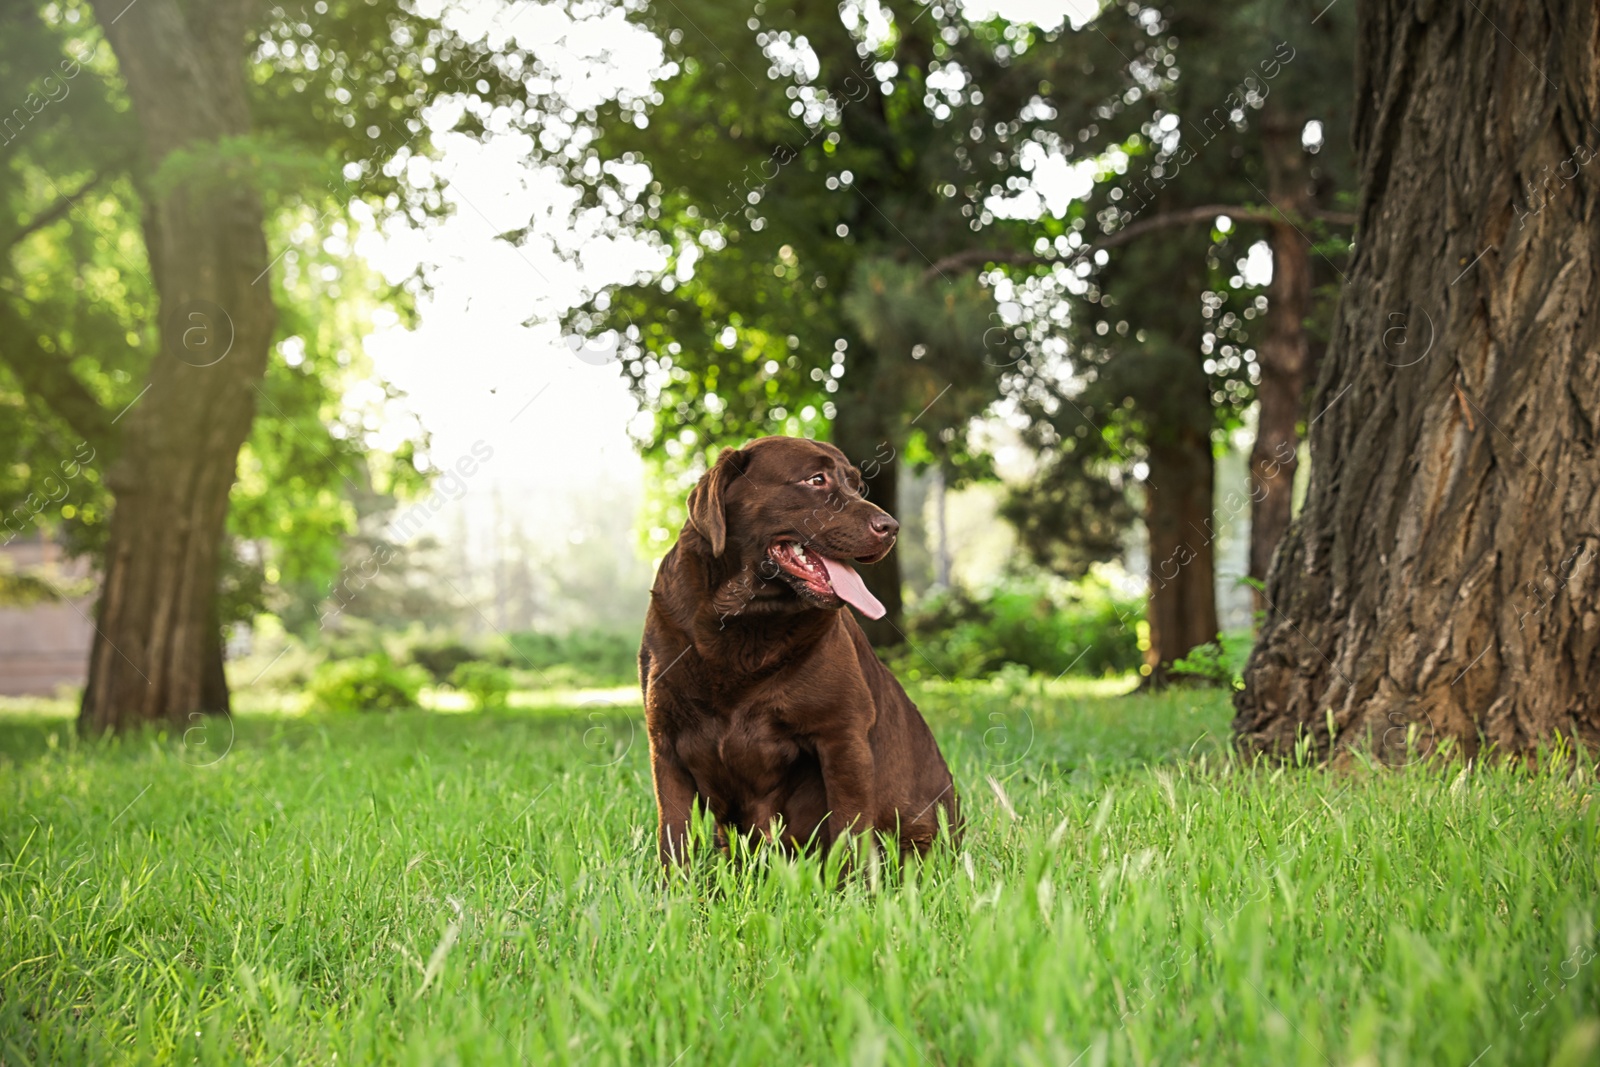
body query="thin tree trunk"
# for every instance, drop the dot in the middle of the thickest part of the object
(883, 577)
(1182, 610)
(156, 646)
(1440, 582)
(1283, 357)
(860, 435)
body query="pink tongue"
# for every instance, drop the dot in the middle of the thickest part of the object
(851, 589)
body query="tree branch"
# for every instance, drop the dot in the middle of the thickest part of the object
(46, 378)
(975, 257)
(53, 213)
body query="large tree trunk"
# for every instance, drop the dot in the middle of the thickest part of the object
(861, 435)
(214, 696)
(1440, 582)
(1182, 610)
(156, 646)
(1283, 357)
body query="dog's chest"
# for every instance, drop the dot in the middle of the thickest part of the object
(746, 750)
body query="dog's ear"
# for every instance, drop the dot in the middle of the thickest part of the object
(708, 509)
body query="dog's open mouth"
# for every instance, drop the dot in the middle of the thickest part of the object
(827, 580)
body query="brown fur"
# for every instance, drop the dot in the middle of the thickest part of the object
(764, 703)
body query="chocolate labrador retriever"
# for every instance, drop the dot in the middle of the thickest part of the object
(763, 699)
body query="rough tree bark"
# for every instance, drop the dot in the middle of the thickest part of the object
(1441, 581)
(1182, 609)
(184, 65)
(1283, 357)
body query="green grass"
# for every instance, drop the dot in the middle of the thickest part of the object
(478, 889)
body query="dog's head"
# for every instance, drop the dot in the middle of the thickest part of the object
(787, 518)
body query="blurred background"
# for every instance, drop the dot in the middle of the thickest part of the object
(368, 350)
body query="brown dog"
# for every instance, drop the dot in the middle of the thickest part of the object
(762, 697)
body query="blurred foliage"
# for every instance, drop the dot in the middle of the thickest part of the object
(372, 682)
(1066, 521)
(1154, 344)
(588, 657)
(1036, 624)
(806, 165)
(441, 655)
(1221, 663)
(23, 588)
(486, 684)
(339, 89)
(805, 172)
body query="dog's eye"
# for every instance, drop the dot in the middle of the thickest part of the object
(817, 479)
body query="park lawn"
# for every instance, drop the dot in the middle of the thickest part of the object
(471, 888)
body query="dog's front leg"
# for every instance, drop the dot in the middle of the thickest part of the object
(847, 778)
(675, 793)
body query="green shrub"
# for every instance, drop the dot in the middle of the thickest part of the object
(579, 658)
(1222, 663)
(487, 684)
(366, 683)
(440, 657)
(1045, 627)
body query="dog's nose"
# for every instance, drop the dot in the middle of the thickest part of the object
(884, 526)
